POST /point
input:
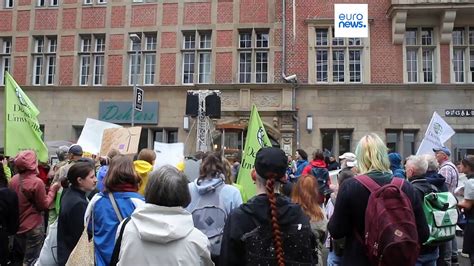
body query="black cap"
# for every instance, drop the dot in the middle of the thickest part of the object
(271, 162)
(75, 149)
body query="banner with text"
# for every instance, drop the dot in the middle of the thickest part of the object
(437, 133)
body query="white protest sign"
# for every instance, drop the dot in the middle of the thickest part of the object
(168, 153)
(437, 133)
(351, 20)
(91, 135)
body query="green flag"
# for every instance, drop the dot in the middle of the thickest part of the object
(256, 139)
(22, 130)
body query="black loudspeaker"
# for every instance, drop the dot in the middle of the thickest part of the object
(192, 102)
(213, 106)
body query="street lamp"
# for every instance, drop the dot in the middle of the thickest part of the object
(135, 41)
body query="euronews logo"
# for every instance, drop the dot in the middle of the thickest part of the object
(354, 20)
(351, 20)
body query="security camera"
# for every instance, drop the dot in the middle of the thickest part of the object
(291, 78)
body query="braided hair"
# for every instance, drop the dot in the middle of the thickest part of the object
(277, 241)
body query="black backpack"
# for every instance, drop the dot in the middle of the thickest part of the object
(322, 176)
(299, 245)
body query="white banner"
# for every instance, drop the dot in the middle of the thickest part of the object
(168, 153)
(437, 133)
(91, 135)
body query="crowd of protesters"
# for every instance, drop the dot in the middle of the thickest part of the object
(370, 207)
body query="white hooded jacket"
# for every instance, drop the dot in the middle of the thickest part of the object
(158, 235)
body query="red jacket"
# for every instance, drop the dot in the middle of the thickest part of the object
(313, 163)
(37, 201)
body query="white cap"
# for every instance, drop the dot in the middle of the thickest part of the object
(348, 155)
(351, 163)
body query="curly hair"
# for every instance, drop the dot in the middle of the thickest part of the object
(277, 241)
(211, 166)
(306, 193)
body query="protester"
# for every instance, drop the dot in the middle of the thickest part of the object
(396, 164)
(333, 164)
(432, 175)
(336, 247)
(448, 253)
(305, 193)
(348, 219)
(415, 168)
(345, 158)
(229, 178)
(9, 217)
(301, 163)
(467, 204)
(33, 200)
(162, 231)
(81, 178)
(104, 167)
(117, 202)
(317, 168)
(212, 199)
(272, 213)
(74, 154)
(143, 166)
(291, 169)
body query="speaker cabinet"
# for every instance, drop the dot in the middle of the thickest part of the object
(192, 102)
(213, 105)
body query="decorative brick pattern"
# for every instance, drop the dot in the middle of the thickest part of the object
(6, 20)
(114, 72)
(19, 69)
(254, 11)
(116, 42)
(66, 70)
(46, 19)
(23, 20)
(277, 78)
(143, 15)
(21, 44)
(24, 2)
(170, 14)
(118, 17)
(445, 66)
(67, 43)
(224, 38)
(223, 68)
(197, 13)
(93, 17)
(69, 18)
(168, 39)
(167, 69)
(225, 12)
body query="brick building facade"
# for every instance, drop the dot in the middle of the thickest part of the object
(72, 55)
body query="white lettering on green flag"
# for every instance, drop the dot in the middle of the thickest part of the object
(22, 129)
(256, 139)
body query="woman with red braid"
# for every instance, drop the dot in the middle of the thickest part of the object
(269, 229)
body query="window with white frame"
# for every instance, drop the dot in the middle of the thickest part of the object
(196, 55)
(5, 57)
(47, 3)
(8, 3)
(90, 2)
(463, 54)
(253, 56)
(44, 60)
(92, 60)
(338, 60)
(142, 50)
(420, 47)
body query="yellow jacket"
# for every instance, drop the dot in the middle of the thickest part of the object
(143, 168)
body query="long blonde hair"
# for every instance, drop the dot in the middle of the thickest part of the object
(372, 154)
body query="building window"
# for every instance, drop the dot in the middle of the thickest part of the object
(197, 47)
(142, 51)
(46, 3)
(91, 60)
(90, 2)
(166, 135)
(337, 141)
(338, 60)
(463, 54)
(401, 141)
(8, 4)
(44, 60)
(420, 55)
(462, 145)
(5, 57)
(253, 56)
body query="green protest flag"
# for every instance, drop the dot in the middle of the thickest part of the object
(256, 139)
(22, 129)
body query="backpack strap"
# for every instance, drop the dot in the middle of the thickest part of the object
(118, 244)
(114, 205)
(368, 182)
(397, 181)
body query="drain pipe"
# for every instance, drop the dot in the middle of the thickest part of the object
(283, 72)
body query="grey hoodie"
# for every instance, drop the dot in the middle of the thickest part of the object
(165, 236)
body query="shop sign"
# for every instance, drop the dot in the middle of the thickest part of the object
(121, 113)
(459, 113)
